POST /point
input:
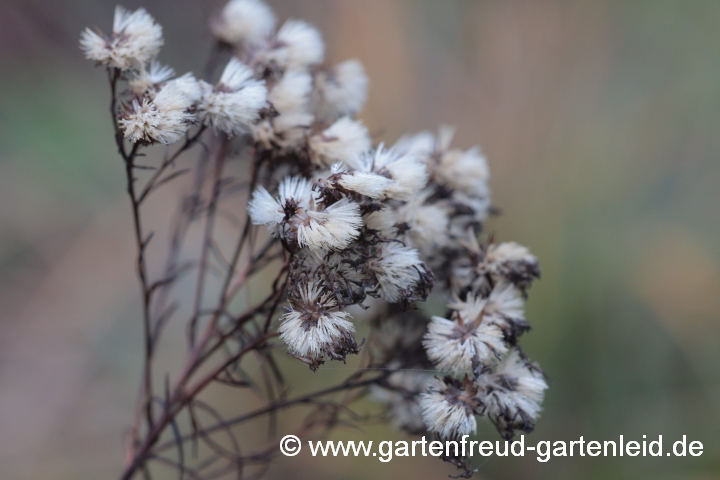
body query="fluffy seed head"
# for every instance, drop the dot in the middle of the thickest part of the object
(408, 174)
(136, 39)
(302, 44)
(266, 210)
(297, 45)
(145, 82)
(313, 327)
(331, 229)
(235, 102)
(340, 91)
(341, 142)
(505, 307)
(304, 220)
(419, 224)
(513, 394)
(289, 97)
(449, 407)
(465, 171)
(163, 120)
(244, 22)
(400, 273)
(369, 184)
(461, 345)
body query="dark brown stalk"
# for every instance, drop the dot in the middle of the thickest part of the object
(141, 242)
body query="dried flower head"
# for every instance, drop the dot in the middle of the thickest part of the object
(418, 223)
(449, 407)
(509, 261)
(289, 128)
(314, 327)
(234, 103)
(147, 82)
(369, 184)
(340, 91)
(163, 119)
(408, 174)
(504, 307)
(296, 45)
(300, 218)
(135, 40)
(460, 345)
(244, 22)
(400, 274)
(342, 142)
(513, 394)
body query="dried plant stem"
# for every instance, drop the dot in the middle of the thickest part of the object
(219, 162)
(350, 384)
(141, 244)
(185, 393)
(177, 401)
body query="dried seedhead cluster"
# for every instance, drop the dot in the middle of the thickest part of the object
(378, 227)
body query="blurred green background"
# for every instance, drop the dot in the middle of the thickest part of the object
(601, 122)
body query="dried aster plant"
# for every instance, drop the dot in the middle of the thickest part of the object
(347, 225)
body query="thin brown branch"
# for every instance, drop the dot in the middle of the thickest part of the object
(155, 181)
(349, 385)
(219, 162)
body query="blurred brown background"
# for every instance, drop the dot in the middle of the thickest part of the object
(601, 122)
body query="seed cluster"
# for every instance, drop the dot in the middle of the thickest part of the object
(362, 224)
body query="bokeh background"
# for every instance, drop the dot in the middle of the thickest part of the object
(601, 122)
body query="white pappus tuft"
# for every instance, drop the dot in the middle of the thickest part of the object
(332, 228)
(164, 119)
(315, 327)
(244, 22)
(461, 345)
(420, 144)
(465, 171)
(340, 91)
(511, 261)
(449, 407)
(266, 210)
(296, 45)
(513, 394)
(341, 142)
(145, 81)
(421, 225)
(408, 174)
(135, 40)
(369, 184)
(505, 307)
(234, 103)
(301, 44)
(400, 273)
(304, 220)
(289, 97)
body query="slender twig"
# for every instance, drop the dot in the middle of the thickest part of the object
(141, 245)
(219, 161)
(181, 397)
(154, 181)
(304, 399)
